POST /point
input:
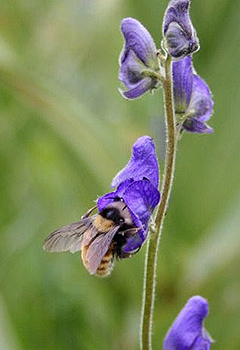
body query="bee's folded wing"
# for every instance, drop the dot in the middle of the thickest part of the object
(67, 238)
(98, 248)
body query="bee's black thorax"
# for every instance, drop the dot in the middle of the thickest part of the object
(118, 212)
(112, 214)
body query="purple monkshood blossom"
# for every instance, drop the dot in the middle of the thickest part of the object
(138, 60)
(179, 34)
(187, 331)
(137, 186)
(192, 97)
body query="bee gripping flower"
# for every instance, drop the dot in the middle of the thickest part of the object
(187, 331)
(137, 186)
(179, 34)
(192, 97)
(138, 60)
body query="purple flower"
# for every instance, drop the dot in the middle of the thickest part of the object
(137, 186)
(192, 97)
(138, 60)
(179, 34)
(187, 331)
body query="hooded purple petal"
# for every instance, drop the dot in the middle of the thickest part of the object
(195, 125)
(203, 342)
(192, 97)
(111, 197)
(141, 198)
(180, 36)
(143, 163)
(138, 40)
(187, 331)
(140, 88)
(182, 83)
(201, 104)
(133, 244)
(106, 199)
(130, 70)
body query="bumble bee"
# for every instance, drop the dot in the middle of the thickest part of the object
(100, 237)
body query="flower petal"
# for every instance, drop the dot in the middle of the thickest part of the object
(143, 163)
(180, 36)
(141, 198)
(133, 244)
(130, 70)
(139, 40)
(182, 83)
(111, 197)
(106, 199)
(197, 126)
(140, 88)
(187, 332)
(201, 104)
(203, 342)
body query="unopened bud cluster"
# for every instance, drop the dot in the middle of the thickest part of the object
(141, 69)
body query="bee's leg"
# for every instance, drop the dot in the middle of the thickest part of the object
(89, 212)
(131, 231)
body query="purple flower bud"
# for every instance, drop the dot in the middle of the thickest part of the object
(192, 97)
(179, 34)
(187, 331)
(137, 187)
(138, 60)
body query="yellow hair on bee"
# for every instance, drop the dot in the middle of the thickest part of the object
(106, 265)
(83, 255)
(102, 224)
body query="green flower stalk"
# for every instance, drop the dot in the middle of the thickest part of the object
(188, 105)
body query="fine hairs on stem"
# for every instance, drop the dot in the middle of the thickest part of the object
(156, 229)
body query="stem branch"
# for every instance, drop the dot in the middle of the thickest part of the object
(155, 233)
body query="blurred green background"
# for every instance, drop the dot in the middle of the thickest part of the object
(65, 132)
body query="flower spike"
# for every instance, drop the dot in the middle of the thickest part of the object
(180, 37)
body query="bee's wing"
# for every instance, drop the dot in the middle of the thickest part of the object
(98, 248)
(68, 238)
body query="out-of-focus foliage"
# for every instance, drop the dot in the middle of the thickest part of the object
(65, 131)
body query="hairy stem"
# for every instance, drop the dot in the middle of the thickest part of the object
(156, 229)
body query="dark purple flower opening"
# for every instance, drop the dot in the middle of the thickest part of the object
(138, 60)
(192, 97)
(179, 34)
(137, 186)
(187, 331)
